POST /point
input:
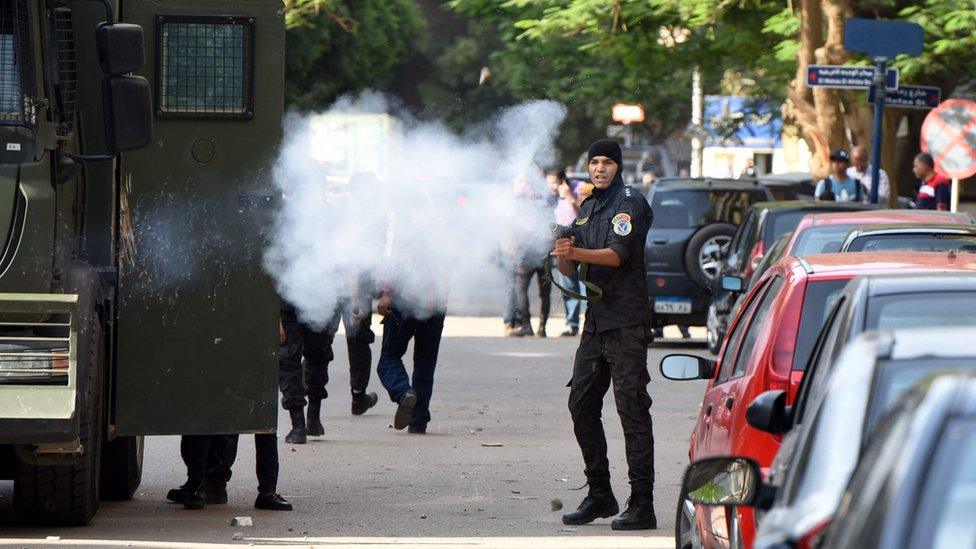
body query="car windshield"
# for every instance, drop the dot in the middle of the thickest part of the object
(821, 240)
(895, 377)
(952, 491)
(783, 222)
(920, 310)
(959, 243)
(689, 208)
(819, 298)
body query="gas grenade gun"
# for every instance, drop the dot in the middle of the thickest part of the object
(593, 292)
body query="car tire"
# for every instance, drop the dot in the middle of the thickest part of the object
(715, 333)
(686, 534)
(705, 252)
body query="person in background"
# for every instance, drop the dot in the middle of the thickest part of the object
(565, 202)
(860, 170)
(935, 191)
(648, 180)
(749, 170)
(838, 186)
(530, 254)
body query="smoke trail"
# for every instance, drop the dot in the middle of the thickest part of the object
(439, 221)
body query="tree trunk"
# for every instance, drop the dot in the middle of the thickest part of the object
(889, 153)
(830, 115)
(799, 105)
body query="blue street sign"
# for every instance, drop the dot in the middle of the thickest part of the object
(880, 38)
(911, 97)
(847, 77)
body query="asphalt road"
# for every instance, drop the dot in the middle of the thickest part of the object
(499, 450)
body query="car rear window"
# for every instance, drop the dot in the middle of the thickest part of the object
(959, 243)
(821, 240)
(783, 222)
(688, 208)
(922, 310)
(819, 298)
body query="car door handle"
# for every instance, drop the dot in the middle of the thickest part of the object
(708, 410)
(660, 241)
(729, 402)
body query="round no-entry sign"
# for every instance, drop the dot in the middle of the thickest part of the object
(949, 135)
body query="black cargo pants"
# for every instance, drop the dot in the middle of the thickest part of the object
(618, 356)
(296, 380)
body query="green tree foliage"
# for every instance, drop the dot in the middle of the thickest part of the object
(345, 46)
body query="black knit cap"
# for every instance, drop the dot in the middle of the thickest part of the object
(607, 148)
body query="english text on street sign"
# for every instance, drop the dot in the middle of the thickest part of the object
(880, 38)
(847, 77)
(949, 135)
(911, 97)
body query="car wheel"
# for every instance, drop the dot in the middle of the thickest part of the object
(705, 252)
(686, 534)
(715, 334)
(735, 531)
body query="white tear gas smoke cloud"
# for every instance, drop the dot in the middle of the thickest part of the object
(440, 222)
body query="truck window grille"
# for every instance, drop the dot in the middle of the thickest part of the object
(205, 67)
(64, 36)
(17, 85)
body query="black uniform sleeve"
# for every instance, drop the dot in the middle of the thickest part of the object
(628, 226)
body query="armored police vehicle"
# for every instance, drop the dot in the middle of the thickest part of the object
(136, 145)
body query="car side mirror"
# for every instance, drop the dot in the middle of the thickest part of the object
(769, 413)
(127, 106)
(686, 367)
(732, 283)
(121, 48)
(723, 481)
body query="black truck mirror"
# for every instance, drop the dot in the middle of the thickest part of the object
(121, 48)
(128, 112)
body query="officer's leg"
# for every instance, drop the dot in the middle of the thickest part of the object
(359, 338)
(627, 354)
(266, 468)
(591, 379)
(290, 362)
(318, 355)
(397, 331)
(426, 344)
(522, 278)
(545, 294)
(194, 450)
(220, 463)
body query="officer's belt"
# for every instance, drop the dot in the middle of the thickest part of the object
(594, 292)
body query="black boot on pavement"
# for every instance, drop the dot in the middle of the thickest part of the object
(196, 499)
(418, 430)
(363, 401)
(599, 503)
(216, 495)
(178, 495)
(298, 432)
(639, 514)
(272, 502)
(404, 410)
(315, 428)
(570, 332)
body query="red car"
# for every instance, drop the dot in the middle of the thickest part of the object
(824, 233)
(767, 347)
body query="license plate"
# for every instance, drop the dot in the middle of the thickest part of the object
(672, 305)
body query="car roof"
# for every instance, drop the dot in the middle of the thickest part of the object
(865, 263)
(884, 216)
(704, 183)
(888, 284)
(813, 205)
(900, 228)
(791, 177)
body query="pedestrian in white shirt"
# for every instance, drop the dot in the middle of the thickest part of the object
(861, 170)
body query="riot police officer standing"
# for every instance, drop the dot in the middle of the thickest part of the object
(610, 232)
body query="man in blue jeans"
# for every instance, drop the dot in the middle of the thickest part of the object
(404, 320)
(564, 199)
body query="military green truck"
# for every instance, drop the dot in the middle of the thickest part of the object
(137, 141)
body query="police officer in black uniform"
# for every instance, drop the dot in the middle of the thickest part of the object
(610, 232)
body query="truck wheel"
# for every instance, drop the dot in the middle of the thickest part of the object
(121, 468)
(705, 252)
(68, 494)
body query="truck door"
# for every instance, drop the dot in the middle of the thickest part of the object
(196, 316)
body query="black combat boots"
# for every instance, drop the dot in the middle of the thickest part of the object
(362, 401)
(298, 432)
(639, 514)
(315, 428)
(599, 503)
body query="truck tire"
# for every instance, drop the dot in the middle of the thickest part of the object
(67, 495)
(705, 251)
(121, 468)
